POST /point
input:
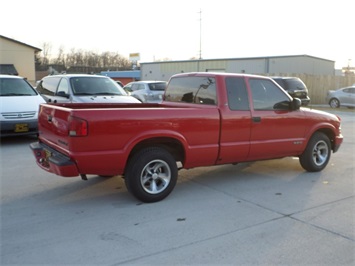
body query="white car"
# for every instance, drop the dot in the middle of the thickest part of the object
(19, 105)
(147, 91)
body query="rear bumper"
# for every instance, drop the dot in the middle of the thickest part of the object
(53, 161)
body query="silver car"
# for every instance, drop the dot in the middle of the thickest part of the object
(342, 97)
(147, 91)
(82, 88)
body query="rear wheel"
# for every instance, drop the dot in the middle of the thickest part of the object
(151, 174)
(334, 103)
(317, 154)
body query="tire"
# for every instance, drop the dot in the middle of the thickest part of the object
(317, 153)
(334, 103)
(151, 174)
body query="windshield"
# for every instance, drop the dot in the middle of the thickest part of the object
(95, 86)
(15, 87)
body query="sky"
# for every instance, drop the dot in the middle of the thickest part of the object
(185, 29)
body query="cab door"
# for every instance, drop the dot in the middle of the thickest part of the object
(276, 130)
(235, 122)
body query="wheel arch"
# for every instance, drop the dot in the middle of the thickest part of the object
(173, 145)
(329, 133)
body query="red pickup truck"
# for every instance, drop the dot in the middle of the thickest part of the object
(205, 119)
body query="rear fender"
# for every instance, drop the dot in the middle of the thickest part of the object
(157, 138)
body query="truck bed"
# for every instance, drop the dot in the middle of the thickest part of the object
(124, 126)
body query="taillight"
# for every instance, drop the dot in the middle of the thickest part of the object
(77, 127)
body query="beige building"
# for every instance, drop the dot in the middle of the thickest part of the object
(18, 58)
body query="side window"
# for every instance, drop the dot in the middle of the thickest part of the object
(135, 87)
(265, 94)
(201, 90)
(48, 86)
(141, 87)
(237, 93)
(63, 88)
(349, 90)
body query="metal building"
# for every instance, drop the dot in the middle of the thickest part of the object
(272, 65)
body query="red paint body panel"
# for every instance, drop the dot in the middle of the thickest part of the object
(207, 134)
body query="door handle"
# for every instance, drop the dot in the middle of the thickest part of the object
(256, 119)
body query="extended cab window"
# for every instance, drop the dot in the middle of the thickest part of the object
(237, 93)
(266, 95)
(200, 90)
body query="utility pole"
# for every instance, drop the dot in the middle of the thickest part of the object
(349, 70)
(200, 57)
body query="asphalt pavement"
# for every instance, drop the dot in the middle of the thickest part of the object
(261, 213)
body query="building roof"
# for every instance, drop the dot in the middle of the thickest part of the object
(8, 69)
(122, 74)
(13, 40)
(240, 58)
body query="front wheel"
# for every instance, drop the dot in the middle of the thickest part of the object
(317, 154)
(334, 103)
(151, 174)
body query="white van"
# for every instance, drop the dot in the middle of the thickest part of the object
(19, 105)
(82, 88)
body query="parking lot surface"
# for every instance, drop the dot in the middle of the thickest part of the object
(260, 213)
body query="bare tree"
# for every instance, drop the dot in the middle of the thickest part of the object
(83, 61)
(46, 51)
(60, 59)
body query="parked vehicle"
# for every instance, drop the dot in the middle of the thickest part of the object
(341, 97)
(82, 88)
(205, 119)
(295, 87)
(147, 91)
(119, 83)
(19, 104)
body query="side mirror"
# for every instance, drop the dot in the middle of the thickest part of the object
(62, 94)
(296, 104)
